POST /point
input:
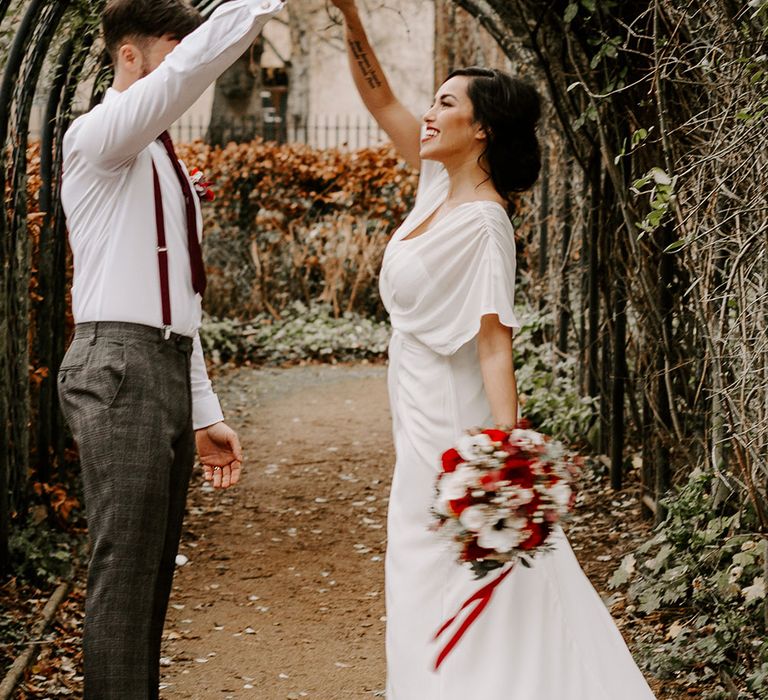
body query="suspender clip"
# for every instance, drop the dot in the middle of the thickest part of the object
(166, 332)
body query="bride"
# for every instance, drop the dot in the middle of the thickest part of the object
(447, 281)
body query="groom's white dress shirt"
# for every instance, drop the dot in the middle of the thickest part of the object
(108, 196)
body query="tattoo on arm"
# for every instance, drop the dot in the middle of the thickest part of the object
(370, 75)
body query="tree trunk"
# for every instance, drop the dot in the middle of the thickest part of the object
(666, 306)
(544, 222)
(564, 302)
(461, 41)
(299, 72)
(593, 305)
(619, 379)
(237, 112)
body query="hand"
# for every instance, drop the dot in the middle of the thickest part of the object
(346, 6)
(220, 454)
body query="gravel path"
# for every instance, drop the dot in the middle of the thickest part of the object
(283, 593)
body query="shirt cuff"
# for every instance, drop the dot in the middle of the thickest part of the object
(206, 411)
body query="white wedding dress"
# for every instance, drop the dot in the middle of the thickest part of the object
(546, 634)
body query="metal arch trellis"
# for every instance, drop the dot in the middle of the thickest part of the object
(61, 35)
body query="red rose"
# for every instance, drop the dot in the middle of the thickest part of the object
(458, 505)
(489, 481)
(519, 476)
(516, 462)
(451, 460)
(473, 552)
(531, 507)
(535, 538)
(496, 435)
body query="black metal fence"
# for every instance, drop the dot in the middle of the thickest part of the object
(347, 131)
(350, 131)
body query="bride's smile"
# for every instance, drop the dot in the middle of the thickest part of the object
(450, 130)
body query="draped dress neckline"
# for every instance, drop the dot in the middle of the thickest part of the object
(435, 225)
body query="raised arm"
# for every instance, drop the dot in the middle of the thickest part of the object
(123, 127)
(399, 124)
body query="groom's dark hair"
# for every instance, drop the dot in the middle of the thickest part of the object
(139, 20)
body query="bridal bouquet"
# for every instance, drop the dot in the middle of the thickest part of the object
(500, 494)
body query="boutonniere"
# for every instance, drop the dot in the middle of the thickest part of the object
(201, 185)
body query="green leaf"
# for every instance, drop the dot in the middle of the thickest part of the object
(570, 12)
(639, 136)
(676, 246)
(661, 557)
(642, 182)
(654, 218)
(650, 602)
(624, 572)
(675, 573)
(745, 558)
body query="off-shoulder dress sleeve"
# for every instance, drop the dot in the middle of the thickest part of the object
(470, 271)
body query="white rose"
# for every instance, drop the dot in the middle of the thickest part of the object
(454, 485)
(526, 436)
(560, 494)
(519, 497)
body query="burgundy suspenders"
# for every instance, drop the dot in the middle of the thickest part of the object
(197, 267)
(162, 255)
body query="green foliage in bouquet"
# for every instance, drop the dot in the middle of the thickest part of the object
(707, 563)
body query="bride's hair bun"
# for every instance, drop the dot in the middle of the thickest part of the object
(508, 109)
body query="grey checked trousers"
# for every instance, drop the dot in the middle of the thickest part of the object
(125, 392)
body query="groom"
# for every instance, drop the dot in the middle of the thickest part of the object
(133, 384)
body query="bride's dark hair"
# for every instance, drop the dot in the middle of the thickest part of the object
(508, 109)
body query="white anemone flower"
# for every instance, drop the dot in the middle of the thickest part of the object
(474, 517)
(472, 447)
(501, 540)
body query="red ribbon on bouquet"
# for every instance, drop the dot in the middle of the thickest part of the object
(482, 598)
